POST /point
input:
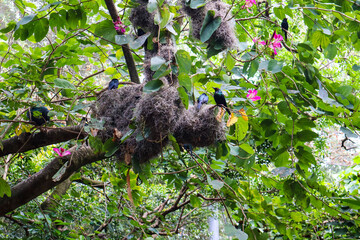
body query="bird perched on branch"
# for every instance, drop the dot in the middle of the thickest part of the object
(39, 115)
(113, 84)
(220, 99)
(285, 27)
(203, 99)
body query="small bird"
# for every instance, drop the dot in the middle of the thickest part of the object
(39, 115)
(220, 99)
(203, 99)
(285, 27)
(113, 84)
(186, 148)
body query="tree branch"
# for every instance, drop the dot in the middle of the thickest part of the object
(125, 47)
(44, 180)
(28, 141)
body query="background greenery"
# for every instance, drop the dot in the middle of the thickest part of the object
(267, 179)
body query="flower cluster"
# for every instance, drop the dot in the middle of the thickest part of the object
(249, 4)
(61, 152)
(119, 26)
(273, 43)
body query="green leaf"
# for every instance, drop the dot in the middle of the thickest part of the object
(356, 67)
(24, 21)
(345, 90)
(135, 44)
(153, 86)
(183, 60)
(254, 66)
(241, 128)
(152, 6)
(247, 148)
(216, 184)
(161, 72)
(320, 39)
(65, 84)
(331, 51)
(174, 144)
(275, 66)
(195, 201)
(306, 135)
(185, 81)
(123, 39)
(184, 97)
(284, 108)
(127, 135)
(231, 231)
(229, 61)
(9, 27)
(296, 216)
(194, 4)
(4, 188)
(106, 30)
(165, 17)
(41, 29)
(156, 63)
(209, 26)
(110, 147)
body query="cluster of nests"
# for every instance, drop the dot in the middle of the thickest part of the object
(158, 114)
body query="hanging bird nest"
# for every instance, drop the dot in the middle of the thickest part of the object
(156, 115)
(225, 34)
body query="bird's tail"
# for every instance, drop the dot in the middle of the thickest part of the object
(228, 111)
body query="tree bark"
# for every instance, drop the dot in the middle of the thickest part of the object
(126, 49)
(46, 179)
(28, 141)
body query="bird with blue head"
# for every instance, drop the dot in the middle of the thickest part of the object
(203, 99)
(113, 84)
(38, 115)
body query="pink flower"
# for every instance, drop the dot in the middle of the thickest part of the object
(61, 152)
(248, 4)
(119, 26)
(275, 42)
(252, 95)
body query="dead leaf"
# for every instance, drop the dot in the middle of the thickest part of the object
(243, 114)
(116, 135)
(232, 120)
(94, 131)
(129, 187)
(220, 114)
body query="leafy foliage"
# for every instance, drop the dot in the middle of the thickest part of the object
(265, 177)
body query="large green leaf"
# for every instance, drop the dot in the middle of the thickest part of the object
(183, 60)
(4, 188)
(41, 29)
(209, 26)
(153, 86)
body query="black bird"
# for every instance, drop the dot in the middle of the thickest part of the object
(203, 99)
(285, 27)
(39, 115)
(220, 99)
(113, 84)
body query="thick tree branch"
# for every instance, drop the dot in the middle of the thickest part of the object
(44, 180)
(126, 49)
(28, 141)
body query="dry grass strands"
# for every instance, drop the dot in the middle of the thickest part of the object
(156, 115)
(199, 128)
